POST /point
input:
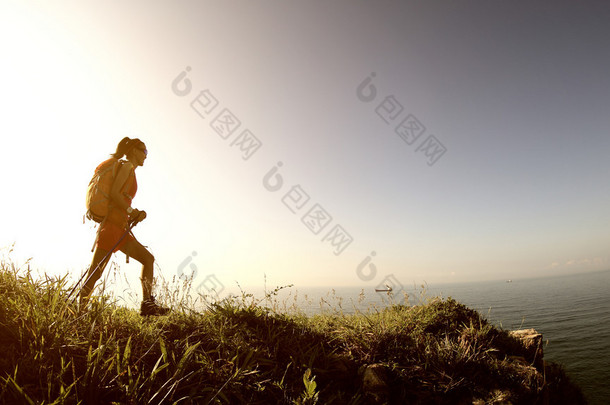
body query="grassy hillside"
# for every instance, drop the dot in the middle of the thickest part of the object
(239, 351)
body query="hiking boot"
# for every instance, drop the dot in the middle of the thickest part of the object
(151, 308)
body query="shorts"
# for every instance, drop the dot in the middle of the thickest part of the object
(110, 234)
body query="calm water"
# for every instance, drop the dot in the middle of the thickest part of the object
(572, 313)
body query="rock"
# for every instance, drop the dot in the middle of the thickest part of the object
(532, 342)
(375, 383)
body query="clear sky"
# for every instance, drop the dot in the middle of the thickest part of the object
(427, 141)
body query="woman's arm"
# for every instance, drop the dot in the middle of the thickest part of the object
(118, 199)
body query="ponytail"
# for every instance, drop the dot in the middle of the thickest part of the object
(122, 148)
(125, 146)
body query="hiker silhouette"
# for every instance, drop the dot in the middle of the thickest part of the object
(114, 232)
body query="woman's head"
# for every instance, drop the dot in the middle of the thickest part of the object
(133, 149)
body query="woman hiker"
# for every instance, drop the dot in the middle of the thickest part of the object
(116, 224)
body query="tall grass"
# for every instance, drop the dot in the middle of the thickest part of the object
(247, 350)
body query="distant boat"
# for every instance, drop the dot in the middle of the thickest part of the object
(387, 289)
(509, 281)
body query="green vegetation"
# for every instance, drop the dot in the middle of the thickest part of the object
(241, 351)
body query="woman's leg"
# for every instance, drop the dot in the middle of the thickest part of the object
(137, 251)
(94, 273)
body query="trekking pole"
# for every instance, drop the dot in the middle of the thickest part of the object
(103, 261)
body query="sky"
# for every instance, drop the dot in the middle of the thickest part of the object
(343, 143)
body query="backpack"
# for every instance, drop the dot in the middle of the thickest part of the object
(98, 191)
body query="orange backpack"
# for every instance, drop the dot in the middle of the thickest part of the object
(98, 192)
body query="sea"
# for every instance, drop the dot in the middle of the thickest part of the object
(571, 311)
